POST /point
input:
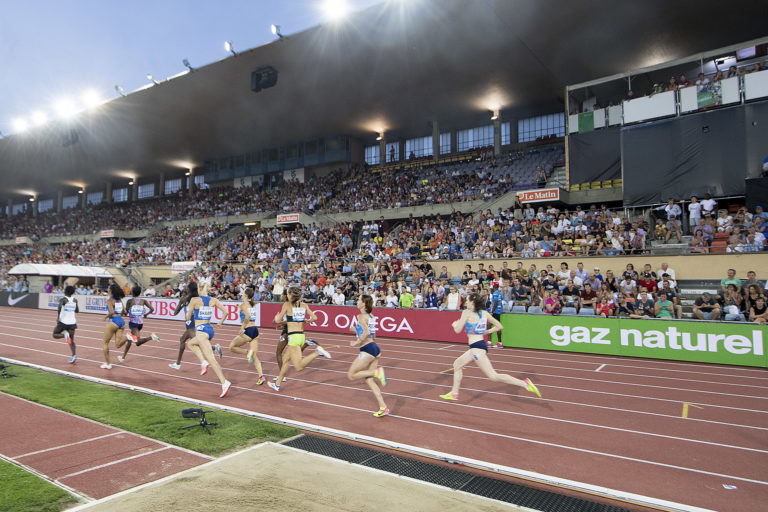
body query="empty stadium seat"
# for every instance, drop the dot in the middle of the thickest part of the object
(518, 309)
(535, 310)
(586, 312)
(568, 312)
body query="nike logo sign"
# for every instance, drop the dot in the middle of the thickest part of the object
(12, 302)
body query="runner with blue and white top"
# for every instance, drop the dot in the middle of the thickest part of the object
(474, 321)
(201, 309)
(137, 309)
(115, 323)
(249, 333)
(65, 327)
(366, 365)
(189, 332)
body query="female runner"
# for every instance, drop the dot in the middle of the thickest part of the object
(201, 309)
(189, 333)
(115, 323)
(65, 327)
(366, 365)
(137, 308)
(296, 313)
(475, 321)
(249, 333)
(283, 342)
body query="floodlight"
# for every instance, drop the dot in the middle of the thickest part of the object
(186, 65)
(335, 9)
(20, 125)
(91, 98)
(65, 108)
(32, 199)
(119, 90)
(276, 30)
(381, 136)
(39, 118)
(152, 79)
(494, 115)
(80, 191)
(228, 46)
(130, 182)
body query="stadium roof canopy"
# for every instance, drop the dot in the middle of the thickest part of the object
(394, 66)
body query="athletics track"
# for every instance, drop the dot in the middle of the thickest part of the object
(613, 425)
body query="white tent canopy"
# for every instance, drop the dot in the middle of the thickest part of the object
(58, 270)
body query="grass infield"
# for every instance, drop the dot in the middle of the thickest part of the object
(24, 492)
(151, 416)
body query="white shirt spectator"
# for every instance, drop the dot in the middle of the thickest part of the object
(694, 213)
(150, 292)
(338, 298)
(708, 205)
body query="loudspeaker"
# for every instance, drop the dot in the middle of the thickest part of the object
(263, 78)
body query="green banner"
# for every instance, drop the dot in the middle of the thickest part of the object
(699, 341)
(586, 122)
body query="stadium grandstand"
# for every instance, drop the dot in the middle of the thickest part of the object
(583, 167)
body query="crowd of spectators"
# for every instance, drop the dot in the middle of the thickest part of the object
(354, 190)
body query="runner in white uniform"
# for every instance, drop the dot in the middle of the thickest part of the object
(65, 327)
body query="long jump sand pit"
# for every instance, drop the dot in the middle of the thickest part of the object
(275, 478)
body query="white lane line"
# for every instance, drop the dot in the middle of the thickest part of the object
(113, 463)
(67, 445)
(600, 368)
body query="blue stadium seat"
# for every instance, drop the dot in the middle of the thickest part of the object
(587, 312)
(518, 309)
(535, 310)
(568, 312)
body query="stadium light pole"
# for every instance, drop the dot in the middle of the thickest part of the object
(152, 79)
(228, 46)
(119, 90)
(275, 29)
(186, 65)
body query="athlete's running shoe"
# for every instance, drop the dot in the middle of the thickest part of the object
(155, 337)
(106, 366)
(499, 345)
(131, 337)
(120, 359)
(204, 367)
(261, 381)
(217, 349)
(72, 360)
(310, 342)
(382, 412)
(449, 396)
(532, 387)
(174, 366)
(488, 343)
(67, 337)
(225, 388)
(379, 374)
(323, 352)
(273, 386)
(249, 357)
(274, 379)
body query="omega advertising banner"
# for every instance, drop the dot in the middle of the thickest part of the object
(412, 324)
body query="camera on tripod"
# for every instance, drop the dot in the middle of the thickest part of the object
(197, 413)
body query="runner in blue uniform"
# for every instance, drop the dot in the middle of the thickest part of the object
(201, 310)
(366, 364)
(137, 309)
(189, 333)
(115, 324)
(65, 327)
(249, 333)
(475, 322)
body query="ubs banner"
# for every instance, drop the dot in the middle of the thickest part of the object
(19, 300)
(700, 341)
(164, 308)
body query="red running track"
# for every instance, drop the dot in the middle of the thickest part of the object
(92, 459)
(605, 421)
